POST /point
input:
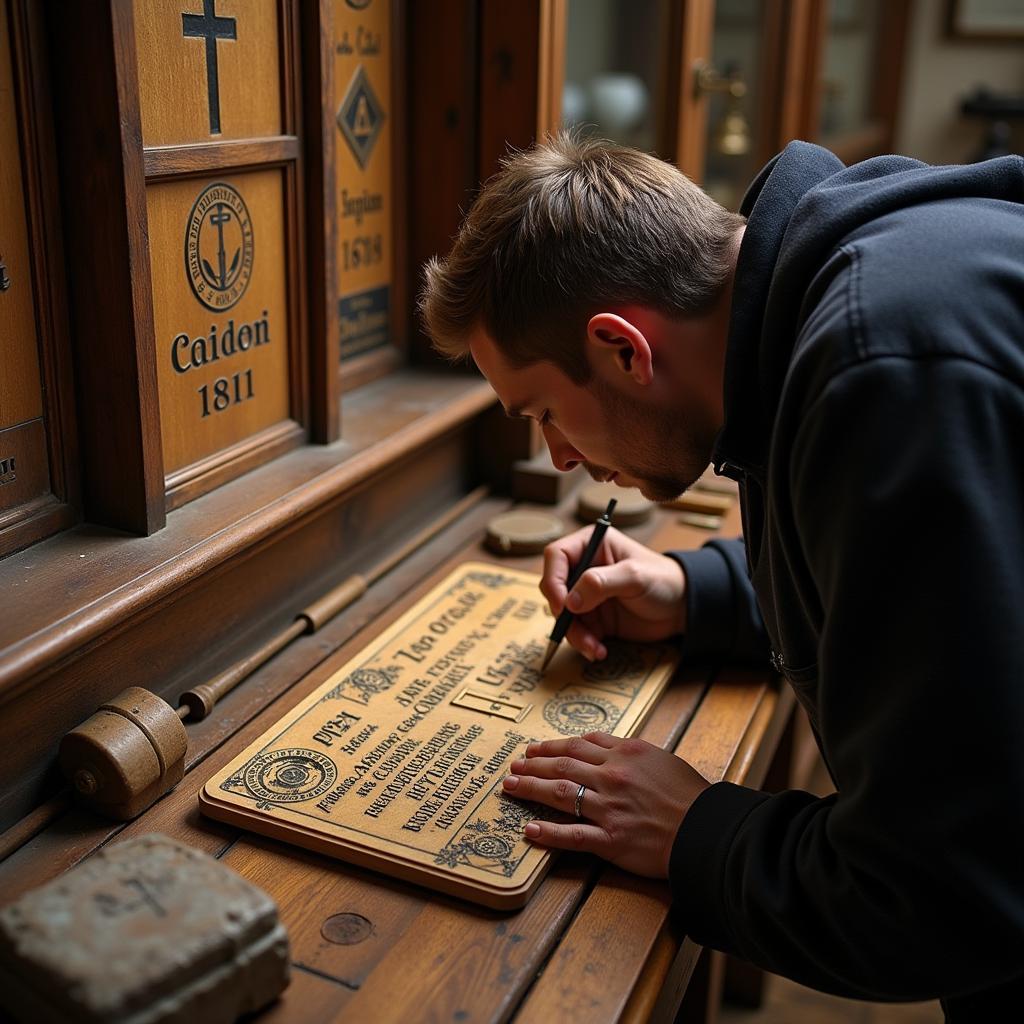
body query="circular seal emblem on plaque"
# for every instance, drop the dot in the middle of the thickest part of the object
(576, 714)
(492, 847)
(219, 246)
(290, 775)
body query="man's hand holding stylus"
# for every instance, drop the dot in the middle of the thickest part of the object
(629, 591)
(634, 794)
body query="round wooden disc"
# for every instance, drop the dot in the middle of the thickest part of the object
(523, 533)
(632, 506)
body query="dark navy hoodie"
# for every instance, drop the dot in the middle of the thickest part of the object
(874, 417)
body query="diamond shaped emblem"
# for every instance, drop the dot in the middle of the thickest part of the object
(360, 117)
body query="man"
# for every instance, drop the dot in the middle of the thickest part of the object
(851, 350)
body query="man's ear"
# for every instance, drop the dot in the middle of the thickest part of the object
(618, 341)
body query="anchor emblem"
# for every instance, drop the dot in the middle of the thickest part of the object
(220, 217)
(219, 246)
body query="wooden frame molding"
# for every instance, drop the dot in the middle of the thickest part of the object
(320, 132)
(119, 418)
(238, 155)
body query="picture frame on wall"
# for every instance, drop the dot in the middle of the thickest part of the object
(986, 20)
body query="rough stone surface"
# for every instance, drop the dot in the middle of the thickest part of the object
(149, 930)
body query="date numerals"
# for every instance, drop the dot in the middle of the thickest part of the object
(362, 251)
(225, 392)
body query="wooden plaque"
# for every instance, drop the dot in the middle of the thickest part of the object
(33, 464)
(208, 70)
(396, 762)
(363, 174)
(24, 472)
(220, 312)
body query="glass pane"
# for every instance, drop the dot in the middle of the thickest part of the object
(615, 68)
(850, 58)
(732, 157)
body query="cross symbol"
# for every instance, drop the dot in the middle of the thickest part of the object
(210, 27)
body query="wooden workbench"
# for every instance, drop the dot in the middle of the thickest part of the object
(594, 943)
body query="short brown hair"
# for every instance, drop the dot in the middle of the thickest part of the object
(567, 228)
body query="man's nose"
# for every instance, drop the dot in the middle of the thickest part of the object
(563, 454)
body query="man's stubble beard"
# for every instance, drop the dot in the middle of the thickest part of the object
(656, 446)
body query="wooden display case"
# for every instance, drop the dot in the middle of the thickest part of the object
(38, 479)
(226, 477)
(192, 365)
(721, 86)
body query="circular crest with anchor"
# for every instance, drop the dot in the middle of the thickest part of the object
(219, 246)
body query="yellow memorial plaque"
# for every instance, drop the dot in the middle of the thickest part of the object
(209, 70)
(396, 762)
(220, 310)
(362, 75)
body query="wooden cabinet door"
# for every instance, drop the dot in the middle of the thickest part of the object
(720, 86)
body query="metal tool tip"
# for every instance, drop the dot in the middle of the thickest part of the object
(548, 655)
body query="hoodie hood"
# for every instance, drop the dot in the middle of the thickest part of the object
(799, 210)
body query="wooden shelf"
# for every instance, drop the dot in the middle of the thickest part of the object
(91, 610)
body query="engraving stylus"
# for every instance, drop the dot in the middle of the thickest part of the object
(564, 621)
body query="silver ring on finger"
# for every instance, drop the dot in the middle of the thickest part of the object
(577, 807)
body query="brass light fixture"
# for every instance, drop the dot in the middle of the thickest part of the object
(732, 133)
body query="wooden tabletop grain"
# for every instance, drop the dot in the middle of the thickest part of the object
(593, 944)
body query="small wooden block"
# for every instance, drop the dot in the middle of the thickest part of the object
(145, 931)
(701, 520)
(703, 502)
(538, 479)
(632, 507)
(522, 532)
